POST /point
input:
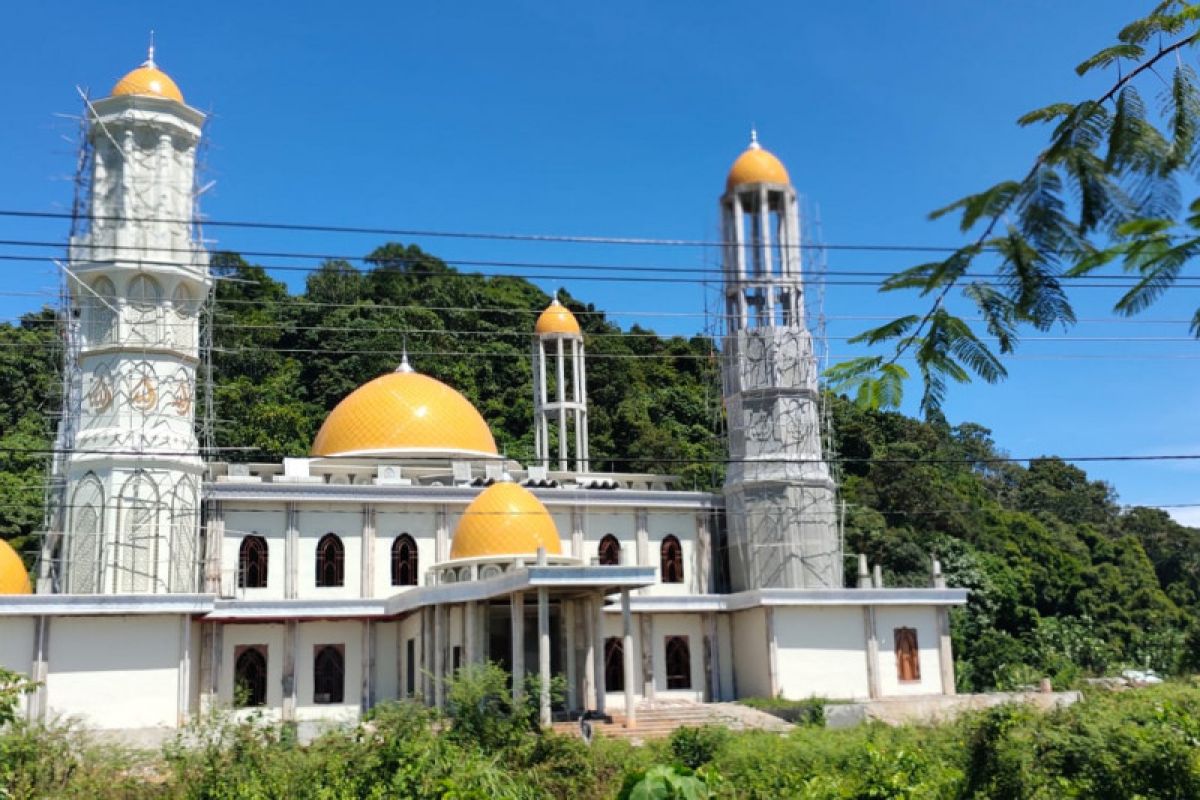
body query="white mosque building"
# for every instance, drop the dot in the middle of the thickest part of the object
(404, 545)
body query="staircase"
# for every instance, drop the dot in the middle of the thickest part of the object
(656, 720)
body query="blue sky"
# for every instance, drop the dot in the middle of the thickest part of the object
(621, 119)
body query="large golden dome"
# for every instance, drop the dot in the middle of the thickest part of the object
(557, 318)
(404, 412)
(13, 577)
(148, 81)
(505, 520)
(756, 165)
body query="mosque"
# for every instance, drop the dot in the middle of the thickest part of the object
(404, 545)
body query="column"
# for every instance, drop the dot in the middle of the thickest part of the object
(184, 678)
(291, 553)
(36, 709)
(648, 667)
(470, 633)
(216, 537)
(543, 601)
(208, 690)
(589, 656)
(598, 654)
(714, 656)
(627, 629)
(772, 653)
(518, 645)
(368, 665)
(427, 649)
(872, 652)
(643, 537)
(569, 622)
(291, 645)
(704, 579)
(945, 647)
(441, 547)
(367, 577)
(439, 656)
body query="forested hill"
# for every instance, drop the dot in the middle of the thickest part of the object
(1064, 583)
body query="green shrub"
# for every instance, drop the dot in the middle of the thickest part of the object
(695, 747)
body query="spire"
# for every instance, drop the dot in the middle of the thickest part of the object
(405, 367)
(754, 145)
(150, 52)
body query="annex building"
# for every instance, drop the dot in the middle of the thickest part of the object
(404, 546)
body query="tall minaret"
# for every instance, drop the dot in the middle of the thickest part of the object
(132, 468)
(560, 389)
(779, 497)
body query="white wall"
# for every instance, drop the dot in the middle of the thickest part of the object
(660, 524)
(16, 644)
(924, 620)
(750, 653)
(621, 524)
(115, 672)
(408, 628)
(387, 676)
(347, 633)
(270, 636)
(822, 652)
(615, 701)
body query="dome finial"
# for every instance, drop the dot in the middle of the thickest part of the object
(405, 367)
(754, 145)
(150, 52)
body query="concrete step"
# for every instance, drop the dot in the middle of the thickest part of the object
(660, 720)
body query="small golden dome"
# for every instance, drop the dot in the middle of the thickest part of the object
(148, 81)
(13, 577)
(505, 520)
(404, 411)
(756, 165)
(557, 318)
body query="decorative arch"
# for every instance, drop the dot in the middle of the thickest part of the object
(614, 664)
(679, 662)
(97, 304)
(142, 387)
(253, 559)
(144, 298)
(331, 561)
(671, 560)
(137, 546)
(182, 320)
(250, 676)
(404, 561)
(184, 553)
(86, 536)
(609, 551)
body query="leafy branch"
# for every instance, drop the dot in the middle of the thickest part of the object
(1104, 189)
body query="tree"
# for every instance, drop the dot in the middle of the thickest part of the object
(1106, 189)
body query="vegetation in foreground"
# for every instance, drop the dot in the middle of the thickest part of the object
(1131, 744)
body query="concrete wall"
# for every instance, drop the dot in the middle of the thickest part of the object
(16, 644)
(115, 672)
(924, 620)
(822, 652)
(269, 523)
(310, 636)
(421, 524)
(682, 525)
(751, 677)
(691, 626)
(343, 520)
(268, 636)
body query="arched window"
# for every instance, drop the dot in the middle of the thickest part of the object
(404, 561)
(144, 298)
(331, 558)
(672, 560)
(250, 676)
(614, 664)
(610, 551)
(329, 673)
(99, 315)
(252, 563)
(679, 663)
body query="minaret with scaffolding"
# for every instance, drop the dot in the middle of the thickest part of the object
(127, 518)
(779, 497)
(559, 390)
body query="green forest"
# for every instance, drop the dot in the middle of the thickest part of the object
(1064, 582)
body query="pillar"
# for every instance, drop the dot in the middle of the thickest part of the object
(627, 630)
(367, 561)
(714, 656)
(39, 668)
(215, 543)
(368, 665)
(648, 666)
(945, 646)
(291, 553)
(872, 652)
(470, 633)
(518, 646)
(543, 601)
(572, 664)
(184, 678)
(439, 655)
(772, 653)
(291, 645)
(598, 654)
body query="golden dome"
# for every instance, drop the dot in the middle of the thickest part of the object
(756, 165)
(504, 520)
(148, 81)
(403, 411)
(13, 577)
(557, 318)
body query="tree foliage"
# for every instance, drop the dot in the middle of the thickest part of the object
(1108, 188)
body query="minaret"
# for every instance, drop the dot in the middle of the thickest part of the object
(779, 497)
(132, 466)
(559, 372)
